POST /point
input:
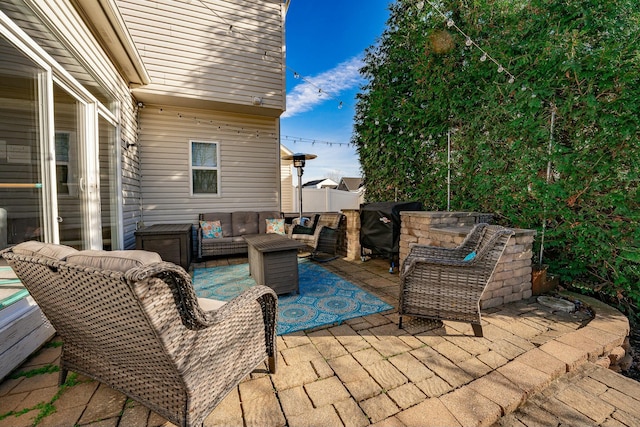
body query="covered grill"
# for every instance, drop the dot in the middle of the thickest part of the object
(380, 228)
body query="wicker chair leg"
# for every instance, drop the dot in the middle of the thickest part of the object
(477, 330)
(400, 322)
(272, 364)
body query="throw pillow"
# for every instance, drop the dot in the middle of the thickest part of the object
(211, 229)
(275, 225)
(471, 256)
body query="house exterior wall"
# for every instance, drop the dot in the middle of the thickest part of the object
(249, 162)
(209, 63)
(286, 187)
(58, 30)
(130, 170)
(286, 181)
(222, 52)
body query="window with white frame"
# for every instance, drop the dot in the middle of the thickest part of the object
(205, 167)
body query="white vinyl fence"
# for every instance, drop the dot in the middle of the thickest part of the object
(326, 200)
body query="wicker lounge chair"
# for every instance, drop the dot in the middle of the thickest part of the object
(322, 237)
(447, 283)
(143, 332)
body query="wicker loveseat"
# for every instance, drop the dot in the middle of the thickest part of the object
(133, 322)
(447, 283)
(234, 226)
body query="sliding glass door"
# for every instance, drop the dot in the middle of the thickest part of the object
(23, 196)
(58, 157)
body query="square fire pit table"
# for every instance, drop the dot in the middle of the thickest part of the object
(273, 261)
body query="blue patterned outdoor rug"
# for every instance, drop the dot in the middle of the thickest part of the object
(324, 298)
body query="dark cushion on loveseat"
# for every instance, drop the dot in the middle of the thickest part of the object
(244, 222)
(234, 226)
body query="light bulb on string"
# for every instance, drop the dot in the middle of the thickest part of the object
(296, 75)
(468, 41)
(340, 106)
(512, 79)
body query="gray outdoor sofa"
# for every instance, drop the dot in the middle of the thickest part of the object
(234, 226)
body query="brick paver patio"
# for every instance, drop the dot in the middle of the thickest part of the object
(532, 367)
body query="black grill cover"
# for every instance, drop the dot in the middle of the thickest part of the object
(380, 226)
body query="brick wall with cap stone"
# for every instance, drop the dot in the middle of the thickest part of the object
(511, 280)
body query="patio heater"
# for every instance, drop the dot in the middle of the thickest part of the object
(299, 160)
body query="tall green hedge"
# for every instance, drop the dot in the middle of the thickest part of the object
(557, 150)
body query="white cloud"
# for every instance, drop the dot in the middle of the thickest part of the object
(323, 87)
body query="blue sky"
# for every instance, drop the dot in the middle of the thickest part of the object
(325, 42)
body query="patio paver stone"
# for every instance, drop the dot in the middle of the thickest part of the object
(530, 368)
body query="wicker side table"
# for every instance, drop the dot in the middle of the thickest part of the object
(273, 261)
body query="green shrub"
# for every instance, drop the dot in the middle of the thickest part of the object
(558, 150)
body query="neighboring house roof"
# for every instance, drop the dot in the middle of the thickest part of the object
(285, 151)
(350, 184)
(321, 183)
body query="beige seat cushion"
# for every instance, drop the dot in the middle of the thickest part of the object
(47, 250)
(114, 260)
(208, 304)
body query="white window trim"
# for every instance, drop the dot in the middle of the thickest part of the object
(192, 168)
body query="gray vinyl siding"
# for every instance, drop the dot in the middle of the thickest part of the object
(286, 186)
(131, 179)
(211, 50)
(249, 163)
(65, 37)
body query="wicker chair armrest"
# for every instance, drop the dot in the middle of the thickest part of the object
(179, 281)
(425, 251)
(264, 295)
(193, 317)
(461, 267)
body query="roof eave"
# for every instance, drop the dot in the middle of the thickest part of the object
(108, 26)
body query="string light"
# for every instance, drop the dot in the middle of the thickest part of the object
(468, 41)
(240, 130)
(296, 139)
